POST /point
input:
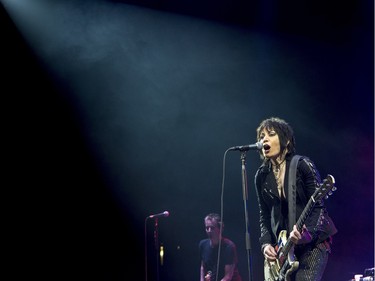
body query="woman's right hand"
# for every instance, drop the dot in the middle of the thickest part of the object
(269, 253)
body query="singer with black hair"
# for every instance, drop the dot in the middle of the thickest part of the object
(209, 249)
(285, 190)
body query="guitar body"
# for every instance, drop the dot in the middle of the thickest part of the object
(286, 263)
(282, 268)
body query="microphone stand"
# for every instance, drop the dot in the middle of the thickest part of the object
(156, 234)
(245, 199)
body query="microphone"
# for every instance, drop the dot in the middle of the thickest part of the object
(255, 146)
(163, 214)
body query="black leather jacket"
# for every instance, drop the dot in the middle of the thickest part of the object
(273, 214)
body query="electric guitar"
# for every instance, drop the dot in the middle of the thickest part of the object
(286, 263)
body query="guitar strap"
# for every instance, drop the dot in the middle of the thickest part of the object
(292, 189)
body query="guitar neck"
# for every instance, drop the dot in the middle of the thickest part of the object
(305, 213)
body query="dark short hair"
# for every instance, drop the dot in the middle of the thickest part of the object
(283, 130)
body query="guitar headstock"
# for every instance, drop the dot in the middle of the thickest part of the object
(325, 189)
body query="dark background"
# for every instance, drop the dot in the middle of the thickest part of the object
(115, 110)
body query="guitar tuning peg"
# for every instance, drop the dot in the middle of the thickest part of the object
(334, 188)
(330, 193)
(326, 197)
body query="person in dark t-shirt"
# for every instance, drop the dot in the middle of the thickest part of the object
(209, 248)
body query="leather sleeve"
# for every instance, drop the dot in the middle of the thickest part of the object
(264, 212)
(318, 223)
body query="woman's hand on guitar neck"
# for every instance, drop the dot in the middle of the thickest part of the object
(300, 238)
